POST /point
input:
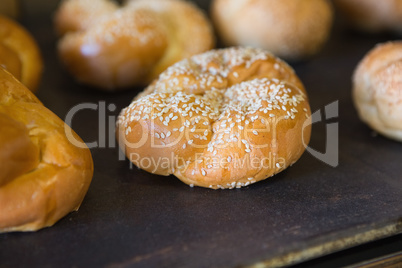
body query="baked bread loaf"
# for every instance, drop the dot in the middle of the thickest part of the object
(372, 16)
(377, 89)
(290, 29)
(19, 53)
(112, 47)
(43, 175)
(223, 119)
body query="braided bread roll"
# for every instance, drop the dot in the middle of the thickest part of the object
(223, 119)
(19, 53)
(42, 175)
(113, 47)
(377, 89)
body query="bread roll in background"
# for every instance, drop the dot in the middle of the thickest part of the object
(19, 53)
(290, 29)
(114, 47)
(377, 89)
(372, 16)
(43, 175)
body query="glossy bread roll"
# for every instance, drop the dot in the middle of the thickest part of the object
(290, 29)
(377, 89)
(223, 119)
(19, 53)
(112, 47)
(372, 15)
(43, 175)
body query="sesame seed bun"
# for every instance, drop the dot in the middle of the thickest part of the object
(290, 29)
(112, 47)
(43, 175)
(377, 89)
(223, 119)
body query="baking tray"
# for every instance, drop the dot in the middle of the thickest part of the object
(131, 218)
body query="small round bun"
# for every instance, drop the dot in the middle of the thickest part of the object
(113, 47)
(377, 89)
(43, 175)
(19, 53)
(372, 16)
(223, 119)
(290, 29)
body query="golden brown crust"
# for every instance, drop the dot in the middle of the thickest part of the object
(46, 175)
(372, 15)
(290, 29)
(377, 89)
(10, 8)
(19, 53)
(223, 119)
(132, 44)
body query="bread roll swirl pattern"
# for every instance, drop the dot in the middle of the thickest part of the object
(112, 47)
(213, 119)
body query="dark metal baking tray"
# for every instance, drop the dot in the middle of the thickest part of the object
(131, 218)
